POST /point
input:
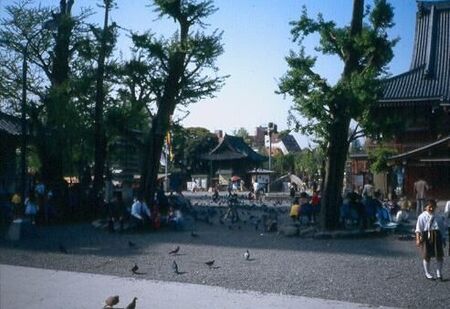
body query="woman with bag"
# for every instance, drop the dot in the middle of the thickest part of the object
(431, 238)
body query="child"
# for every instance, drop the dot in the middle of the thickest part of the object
(315, 202)
(430, 238)
(295, 210)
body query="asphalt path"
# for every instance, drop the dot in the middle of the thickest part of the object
(33, 288)
(380, 271)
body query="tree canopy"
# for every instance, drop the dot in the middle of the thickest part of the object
(365, 50)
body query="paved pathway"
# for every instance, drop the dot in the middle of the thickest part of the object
(25, 287)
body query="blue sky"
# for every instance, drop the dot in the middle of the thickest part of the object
(256, 39)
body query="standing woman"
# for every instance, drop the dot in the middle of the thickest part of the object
(430, 238)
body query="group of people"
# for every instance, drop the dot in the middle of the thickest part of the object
(370, 207)
(305, 207)
(141, 216)
(38, 206)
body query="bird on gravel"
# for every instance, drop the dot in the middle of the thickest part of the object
(132, 305)
(175, 267)
(134, 269)
(210, 263)
(131, 244)
(111, 301)
(62, 249)
(194, 234)
(247, 255)
(175, 251)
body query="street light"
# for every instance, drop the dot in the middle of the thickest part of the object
(271, 128)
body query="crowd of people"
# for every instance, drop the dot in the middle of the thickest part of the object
(38, 206)
(164, 211)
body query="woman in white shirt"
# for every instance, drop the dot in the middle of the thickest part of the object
(430, 238)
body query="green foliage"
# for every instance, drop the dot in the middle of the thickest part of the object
(283, 164)
(242, 132)
(352, 97)
(188, 145)
(309, 161)
(378, 159)
(305, 163)
(63, 52)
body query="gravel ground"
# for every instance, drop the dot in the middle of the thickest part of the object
(377, 271)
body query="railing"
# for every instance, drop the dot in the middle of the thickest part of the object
(401, 148)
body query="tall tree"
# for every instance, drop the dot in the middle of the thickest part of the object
(58, 98)
(183, 72)
(365, 50)
(49, 38)
(105, 37)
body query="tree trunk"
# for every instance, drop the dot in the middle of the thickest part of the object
(338, 143)
(99, 134)
(153, 149)
(334, 176)
(161, 121)
(52, 159)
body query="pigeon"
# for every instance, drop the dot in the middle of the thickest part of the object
(175, 251)
(175, 267)
(132, 305)
(134, 269)
(210, 263)
(193, 234)
(131, 244)
(111, 301)
(62, 249)
(247, 255)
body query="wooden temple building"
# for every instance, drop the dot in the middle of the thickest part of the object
(421, 96)
(234, 155)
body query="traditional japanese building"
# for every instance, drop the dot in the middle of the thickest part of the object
(233, 154)
(421, 96)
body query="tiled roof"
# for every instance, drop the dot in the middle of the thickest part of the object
(10, 125)
(443, 141)
(232, 148)
(429, 76)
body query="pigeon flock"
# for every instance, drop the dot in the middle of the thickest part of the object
(204, 211)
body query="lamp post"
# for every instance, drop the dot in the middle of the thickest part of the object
(23, 150)
(271, 128)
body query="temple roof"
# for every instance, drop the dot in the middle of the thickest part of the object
(428, 79)
(233, 148)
